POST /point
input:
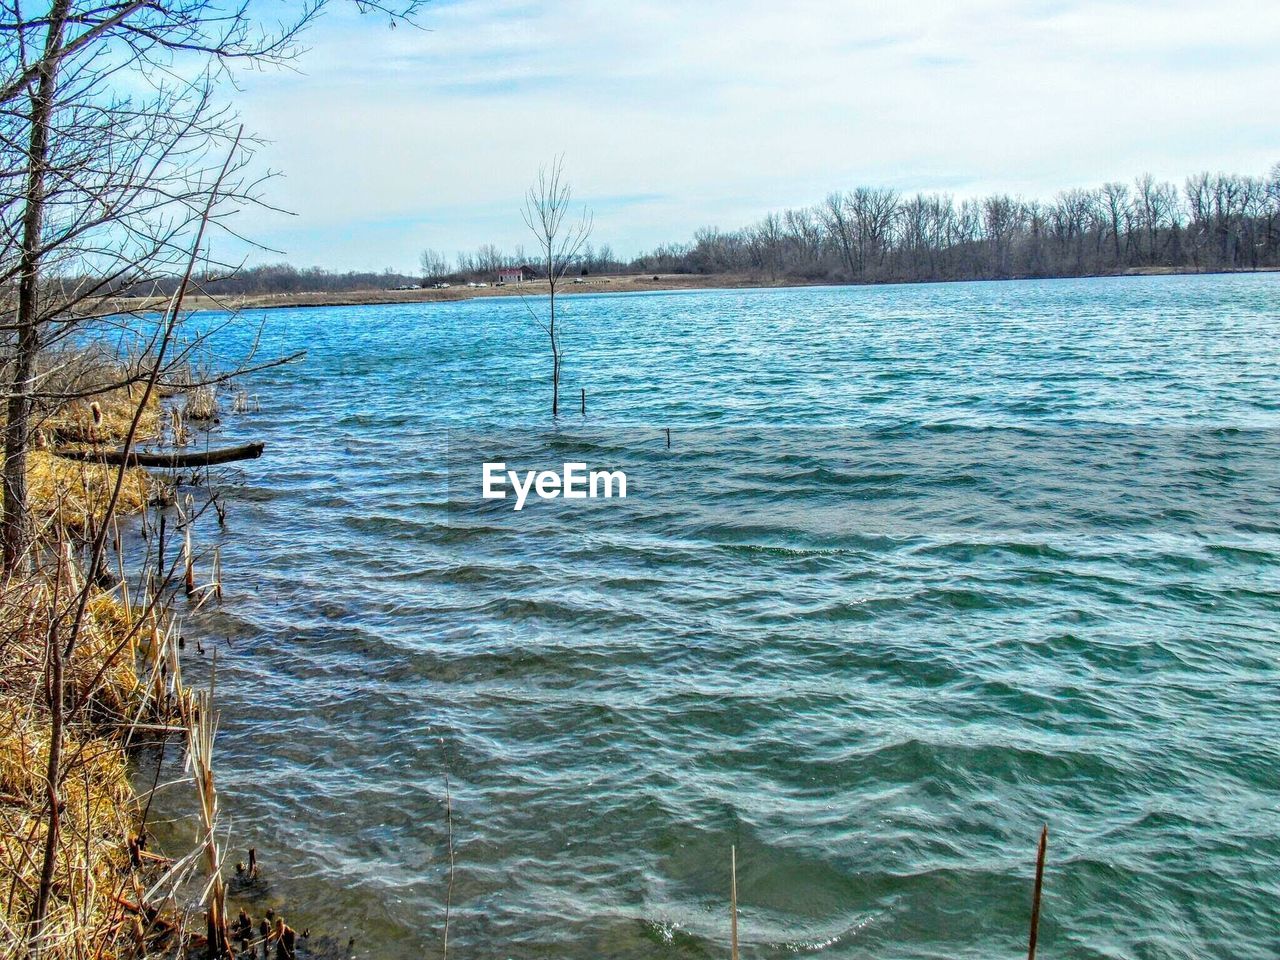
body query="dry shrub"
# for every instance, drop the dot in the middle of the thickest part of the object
(105, 418)
(201, 405)
(85, 918)
(72, 493)
(79, 400)
(97, 888)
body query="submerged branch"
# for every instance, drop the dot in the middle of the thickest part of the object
(133, 458)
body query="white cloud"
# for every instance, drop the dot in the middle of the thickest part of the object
(392, 140)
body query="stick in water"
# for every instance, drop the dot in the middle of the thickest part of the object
(733, 900)
(1035, 897)
(448, 820)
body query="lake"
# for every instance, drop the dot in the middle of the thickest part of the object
(917, 570)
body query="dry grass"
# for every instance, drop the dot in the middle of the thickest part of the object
(104, 418)
(627, 283)
(123, 678)
(78, 400)
(92, 876)
(74, 494)
(97, 887)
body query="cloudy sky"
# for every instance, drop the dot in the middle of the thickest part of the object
(673, 114)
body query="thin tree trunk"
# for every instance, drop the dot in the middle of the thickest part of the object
(555, 347)
(15, 528)
(53, 777)
(53, 771)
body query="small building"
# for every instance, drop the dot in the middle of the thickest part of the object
(515, 274)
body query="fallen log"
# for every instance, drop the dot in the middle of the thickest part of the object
(175, 460)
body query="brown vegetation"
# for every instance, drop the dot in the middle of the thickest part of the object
(93, 877)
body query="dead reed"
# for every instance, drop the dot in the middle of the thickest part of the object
(96, 875)
(87, 674)
(201, 405)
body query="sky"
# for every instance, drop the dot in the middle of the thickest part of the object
(673, 114)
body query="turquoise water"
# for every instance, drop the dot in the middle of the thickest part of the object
(922, 569)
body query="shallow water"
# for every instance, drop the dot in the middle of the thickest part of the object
(923, 568)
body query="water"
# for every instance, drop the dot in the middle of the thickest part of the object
(924, 568)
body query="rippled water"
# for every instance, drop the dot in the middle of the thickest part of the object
(923, 568)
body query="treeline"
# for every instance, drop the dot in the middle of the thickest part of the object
(1213, 222)
(277, 278)
(485, 262)
(877, 235)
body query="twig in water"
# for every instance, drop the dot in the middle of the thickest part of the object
(448, 821)
(1035, 897)
(733, 900)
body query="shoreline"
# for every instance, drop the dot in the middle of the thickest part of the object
(114, 888)
(575, 286)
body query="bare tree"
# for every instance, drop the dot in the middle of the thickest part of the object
(434, 265)
(66, 625)
(1119, 214)
(1154, 210)
(559, 240)
(835, 216)
(489, 259)
(874, 213)
(110, 134)
(1271, 224)
(115, 162)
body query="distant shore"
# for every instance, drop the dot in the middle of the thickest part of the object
(456, 292)
(632, 283)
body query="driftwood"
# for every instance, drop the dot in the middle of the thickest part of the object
(175, 460)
